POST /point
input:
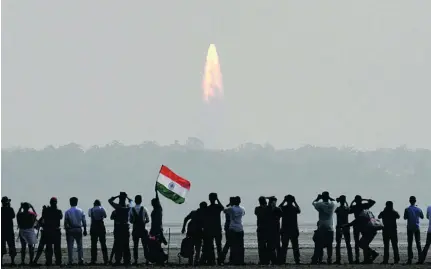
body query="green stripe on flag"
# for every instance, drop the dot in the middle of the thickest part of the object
(169, 194)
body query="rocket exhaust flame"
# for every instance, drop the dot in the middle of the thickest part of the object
(212, 81)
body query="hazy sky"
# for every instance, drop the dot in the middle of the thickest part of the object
(295, 72)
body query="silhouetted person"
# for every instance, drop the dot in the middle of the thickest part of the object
(113, 250)
(236, 231)
(356, 207)
(390, 233)
(51, 233)
(428, 240)
(121, 228)
(213, 230)
(195, 225)
(157, 219)
(289, 228)
(325, 205)
(139, 218)
(7, 231)
(363, 224)
(26, 221)
(156, 231)
(227, 244)
(342, 212)
(261, 213)
(42, 241)
(413, 214)
(273, 230)
(316, 239)
(75, 225)
(97, 215)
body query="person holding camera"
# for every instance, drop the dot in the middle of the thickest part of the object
(7, 232)
(356, 207)
(236, 231)
(74, 224)
(273, 230)
(325, 205)
(50, 233)
(26, 221)
(121, 228)
(342, 213)
(289, 228)
(227, 244)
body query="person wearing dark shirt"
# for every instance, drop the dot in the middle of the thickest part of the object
(356, 207)
(26, 221)
(413, 214)
(390, 234)
(261, 213)
(428, 239)
(156, 236)
(273, 228)
(289, 228)
(316, 238)
(342, 212)
(121, 228)
(113, 250)
(51, 233)
(227, 244)
(157, 218)
(195, 224)
(7, 232)
(362, 224)
(213, 230)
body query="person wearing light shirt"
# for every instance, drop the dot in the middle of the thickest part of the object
(74, 223)
(428, 240)
(98, 231)
(236, 231)
(325, 205)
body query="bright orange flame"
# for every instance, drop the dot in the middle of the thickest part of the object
(212, 81)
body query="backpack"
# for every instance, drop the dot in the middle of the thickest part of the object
(137, 217)
(187, 248)
(156, 254)
(373, 222)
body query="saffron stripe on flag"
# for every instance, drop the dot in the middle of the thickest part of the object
(164, 170)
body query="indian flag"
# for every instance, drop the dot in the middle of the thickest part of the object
(172, 186)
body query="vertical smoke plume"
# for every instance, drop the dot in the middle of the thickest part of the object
(212, 81)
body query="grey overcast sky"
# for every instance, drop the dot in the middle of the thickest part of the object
(354, 73)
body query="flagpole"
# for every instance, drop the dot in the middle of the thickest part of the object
(155, 185)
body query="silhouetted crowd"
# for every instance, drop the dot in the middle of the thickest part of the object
(277, 227)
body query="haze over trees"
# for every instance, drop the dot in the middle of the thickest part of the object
(249, 171)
